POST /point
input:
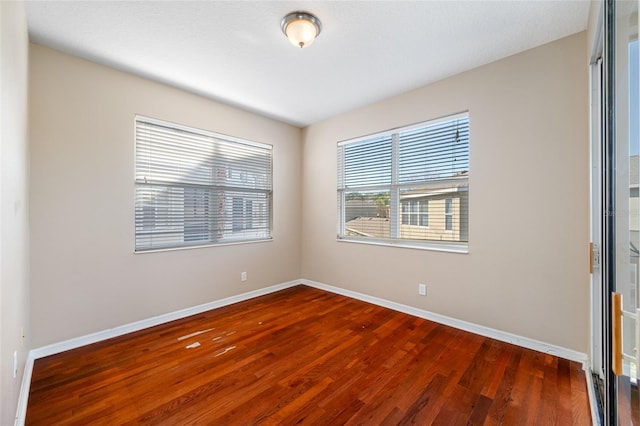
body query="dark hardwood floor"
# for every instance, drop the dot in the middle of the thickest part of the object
(305, 356)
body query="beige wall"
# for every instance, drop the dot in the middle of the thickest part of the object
(526, 271)
(85, 276)
(14, 204)
(527, 267)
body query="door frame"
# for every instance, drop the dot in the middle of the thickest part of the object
(609, 210)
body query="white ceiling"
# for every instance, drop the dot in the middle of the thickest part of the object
(234, 51)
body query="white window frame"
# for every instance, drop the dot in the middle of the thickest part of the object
(394, 189)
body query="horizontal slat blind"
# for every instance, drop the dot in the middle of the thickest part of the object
(407, 184)
(198, 188)
(368, 163)
(434, 152)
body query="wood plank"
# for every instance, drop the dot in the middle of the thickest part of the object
(305, 356)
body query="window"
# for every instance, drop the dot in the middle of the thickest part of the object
(242, 214)
(197, 188)
(424, 213)
(408, 186)
(415, 213)
(448, 214)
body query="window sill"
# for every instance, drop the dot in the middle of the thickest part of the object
(448, 248)
(226, 243)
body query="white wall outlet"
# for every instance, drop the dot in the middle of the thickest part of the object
(422, 289)
(15, 364)
(243, 276)
(22, 337)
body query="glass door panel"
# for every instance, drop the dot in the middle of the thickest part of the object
(627, 218)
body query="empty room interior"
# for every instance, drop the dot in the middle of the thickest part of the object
(371, 212)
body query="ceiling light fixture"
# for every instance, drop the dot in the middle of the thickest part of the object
(301, 28)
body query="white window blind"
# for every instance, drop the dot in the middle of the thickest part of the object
(199, 188)
(408, 186)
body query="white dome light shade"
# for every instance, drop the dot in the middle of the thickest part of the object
(301, 28)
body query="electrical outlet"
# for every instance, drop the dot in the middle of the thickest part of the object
(422, 289)
(22, 337)
(15, 364)
(243, 276)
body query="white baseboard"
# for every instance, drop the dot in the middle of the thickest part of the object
(442, 319)
(150, 322)
(161, 319)
(23, 398)
(99, 336)
(503, 336)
